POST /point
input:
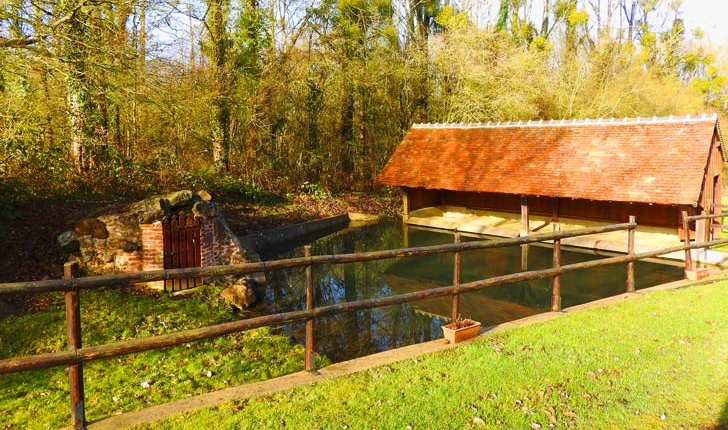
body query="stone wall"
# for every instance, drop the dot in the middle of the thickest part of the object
(133, 241)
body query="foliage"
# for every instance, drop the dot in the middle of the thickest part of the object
(39, 399)
(579, 371)
(223, 185)
(100, 98)
(314, 190)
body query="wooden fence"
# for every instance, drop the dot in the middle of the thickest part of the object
(703, 226)
(76, 354)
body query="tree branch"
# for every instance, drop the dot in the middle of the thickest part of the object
(19, 42)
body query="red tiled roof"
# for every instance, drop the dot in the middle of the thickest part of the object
(660, 160)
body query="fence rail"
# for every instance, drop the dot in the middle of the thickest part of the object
(77, 355)
(689, 264)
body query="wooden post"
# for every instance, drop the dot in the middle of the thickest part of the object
(405, 206)
(525, 229)
(555, 214)
(630, 251)
(73, 328)
(405, 235)
(456, 281)
(524, 217)
(701, 235)
(686, 233)
(309, 362)
(556, 281)
(524, 258)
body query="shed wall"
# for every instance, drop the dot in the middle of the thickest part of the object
(653, 215)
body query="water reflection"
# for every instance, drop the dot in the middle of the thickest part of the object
(365, 332)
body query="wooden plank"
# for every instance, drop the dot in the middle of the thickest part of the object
(182, 244)
(190, 242)
(198, 248)
(167, 241)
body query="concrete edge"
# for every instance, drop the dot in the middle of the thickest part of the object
(216, 398)
(276, 237)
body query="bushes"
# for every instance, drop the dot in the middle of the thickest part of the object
(223, 185)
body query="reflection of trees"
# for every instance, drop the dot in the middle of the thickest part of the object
(365, 332)
(355, 333)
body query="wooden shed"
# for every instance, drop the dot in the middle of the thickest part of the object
(601, 170)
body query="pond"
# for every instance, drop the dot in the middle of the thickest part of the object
(361, 333)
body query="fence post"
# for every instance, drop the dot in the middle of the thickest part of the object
(630, 251)
(556, 281)
(456, 281)
(686, 233)
(73, 328)
(309, 363)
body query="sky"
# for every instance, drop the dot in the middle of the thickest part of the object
(711, 16)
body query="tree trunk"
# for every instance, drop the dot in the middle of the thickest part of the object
(223, 81)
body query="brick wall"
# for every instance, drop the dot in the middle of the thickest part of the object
(207, 242)
(152, 246)
(152, 250)
(216, 247)
(128, 262)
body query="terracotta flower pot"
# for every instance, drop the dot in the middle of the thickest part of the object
(467, 329)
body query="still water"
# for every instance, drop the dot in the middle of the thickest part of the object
(360, 333)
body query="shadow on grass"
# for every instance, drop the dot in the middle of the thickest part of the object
(722, 419)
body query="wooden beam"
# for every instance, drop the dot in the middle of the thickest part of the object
(556, 213)
(524, 231)
(405, 205)
(524, 217)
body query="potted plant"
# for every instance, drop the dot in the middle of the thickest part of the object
(461, 329)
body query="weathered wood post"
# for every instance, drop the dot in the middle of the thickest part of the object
(555, 209)
(630, 251)
(309, 363)
(524, 231)
(686, 233)
(456, 281)
(702, 234)
(73, 328)
(556, 281)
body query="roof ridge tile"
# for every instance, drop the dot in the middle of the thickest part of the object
(573, 121)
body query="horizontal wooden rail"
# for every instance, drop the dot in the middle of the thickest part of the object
(77, 355)
(705, 216)
(122, 280)
(81, 355)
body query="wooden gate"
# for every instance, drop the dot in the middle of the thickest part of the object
(181, 235)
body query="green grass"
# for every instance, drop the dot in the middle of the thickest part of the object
(39, 399)
(656, 362)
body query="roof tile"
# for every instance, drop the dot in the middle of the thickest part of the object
(656, 160)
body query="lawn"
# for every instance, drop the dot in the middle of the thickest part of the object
(659, 361)
(40, 399)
